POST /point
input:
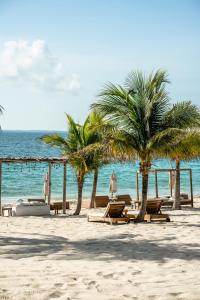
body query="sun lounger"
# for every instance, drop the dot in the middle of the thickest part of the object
(113, 214)
(101, 201)
(126, 198)
(184, 200)
(153, 211)
(56, 206)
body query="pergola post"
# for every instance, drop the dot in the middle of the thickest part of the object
(191, 188)
(137, 187)
(170, 183)
(64, 186)
(156, 184)
(0, 187)
(49, 185)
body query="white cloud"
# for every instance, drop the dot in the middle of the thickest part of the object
(33, 64)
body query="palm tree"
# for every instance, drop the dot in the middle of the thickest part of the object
(180, 150)
(98, 152)
(141, 110)
(96, 125)
(185, 116)
(73, 147)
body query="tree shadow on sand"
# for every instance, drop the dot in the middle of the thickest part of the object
(118, 247)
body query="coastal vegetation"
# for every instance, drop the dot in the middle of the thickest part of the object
(132, 122)
(80, 137)
(184, 149)
(146, 122)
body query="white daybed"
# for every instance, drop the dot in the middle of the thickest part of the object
(31, 208)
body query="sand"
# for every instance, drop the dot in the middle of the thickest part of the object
(61, 257)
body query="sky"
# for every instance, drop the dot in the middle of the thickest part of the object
(55, 56)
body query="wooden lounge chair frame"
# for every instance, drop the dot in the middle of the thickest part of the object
(113, 214)
(101, 201)
(56, 206)
(154, 212)
(126, 198)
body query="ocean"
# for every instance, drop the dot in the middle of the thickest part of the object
(26, 180)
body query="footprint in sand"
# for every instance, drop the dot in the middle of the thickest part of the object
(175, 294)
(99, 273)
(98, 288)
(136, 272)
(55, 294)
(58, 284)
(109, 275)
(129, 297)
(91, 284)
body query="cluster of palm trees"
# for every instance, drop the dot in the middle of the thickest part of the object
(131, 122)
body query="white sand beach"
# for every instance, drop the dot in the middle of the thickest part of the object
(61, 257)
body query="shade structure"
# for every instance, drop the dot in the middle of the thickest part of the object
(46, 185)
(113, 185)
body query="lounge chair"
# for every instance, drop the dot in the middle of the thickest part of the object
(126, 198)
(101, 201)
(58, 205)
(113, 214)
(184, 200)
(153, 211)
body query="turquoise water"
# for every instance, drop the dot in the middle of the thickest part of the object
(21, 180)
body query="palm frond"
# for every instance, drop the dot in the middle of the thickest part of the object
(55, 140)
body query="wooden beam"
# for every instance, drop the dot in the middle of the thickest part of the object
(137, 187)
(166, 170)
(49, 185)
(56, 160)
(64, 187)
(191, 188)
(0, 187)
(156, 184)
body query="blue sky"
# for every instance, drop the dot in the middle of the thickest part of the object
(56, 55)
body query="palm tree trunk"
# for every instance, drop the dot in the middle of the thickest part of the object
(94, 188)
(80, 180)
(145, 178)
(177, 202)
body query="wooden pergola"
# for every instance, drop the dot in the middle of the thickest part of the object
(50, 161)
(170, 171)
